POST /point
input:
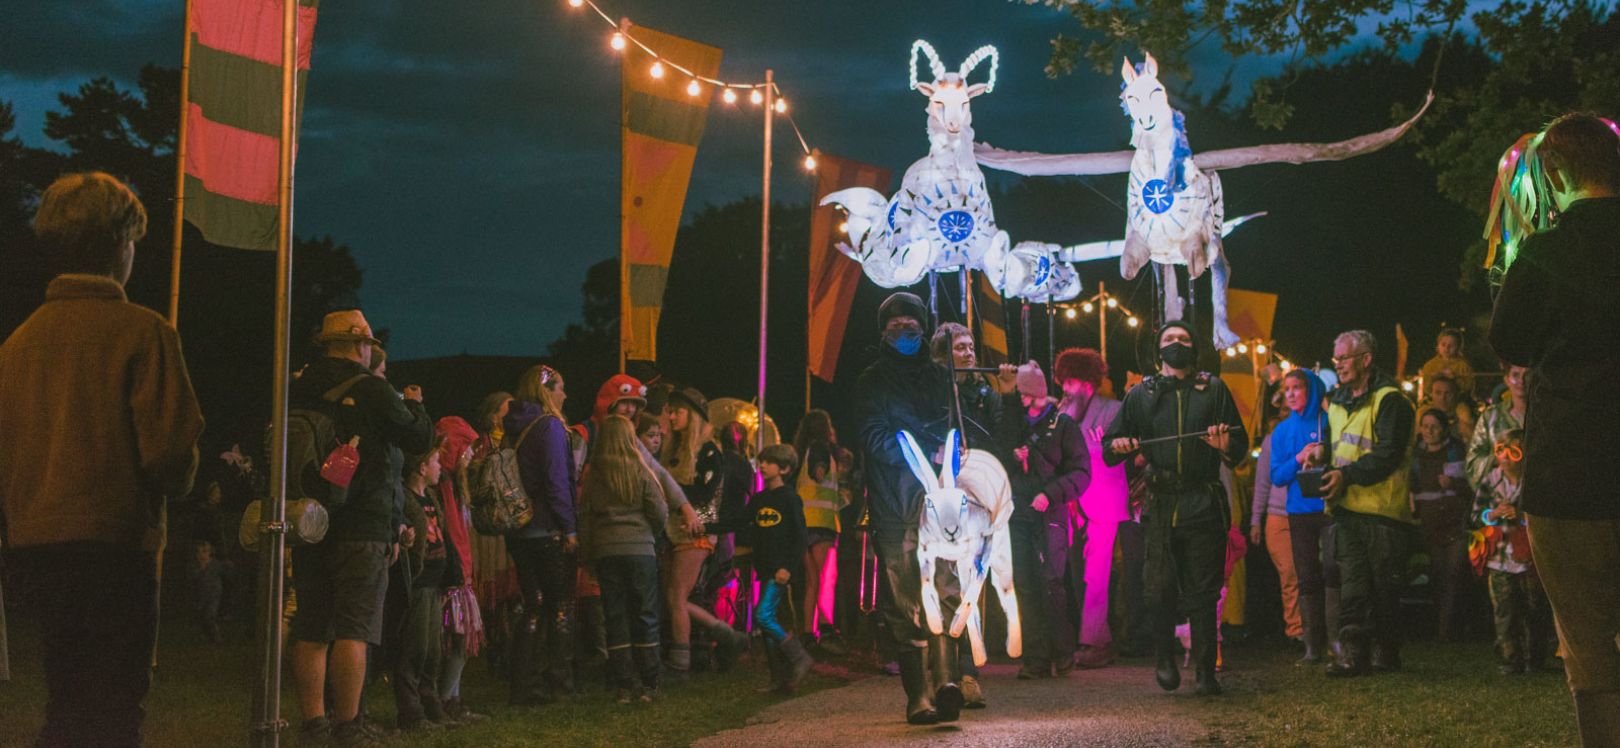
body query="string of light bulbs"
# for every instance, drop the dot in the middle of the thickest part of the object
(623, 37)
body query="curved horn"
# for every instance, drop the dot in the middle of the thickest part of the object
(977, 57)
(934, 64)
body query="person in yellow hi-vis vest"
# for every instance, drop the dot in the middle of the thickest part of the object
(1370, 436)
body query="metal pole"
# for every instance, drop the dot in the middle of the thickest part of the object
(1051, 335)
(624, 189)
(1102, 321)
(267, 722)
(1028, 351)
(765, 254)
(180, 172)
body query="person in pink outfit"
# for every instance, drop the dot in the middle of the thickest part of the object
(1081, 374)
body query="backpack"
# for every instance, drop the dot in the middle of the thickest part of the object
(498, 502)
(312, 434)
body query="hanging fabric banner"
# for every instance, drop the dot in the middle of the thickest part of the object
(233, 117)
(992, 317)
(662, 124)
(833, 275)
(1250, 314)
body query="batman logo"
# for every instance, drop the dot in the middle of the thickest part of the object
(767, 517)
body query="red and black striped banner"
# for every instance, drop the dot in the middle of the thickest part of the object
(833, 276)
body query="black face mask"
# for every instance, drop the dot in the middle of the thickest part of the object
(1178, 356)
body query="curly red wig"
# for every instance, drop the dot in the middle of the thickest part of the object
(1084, 364)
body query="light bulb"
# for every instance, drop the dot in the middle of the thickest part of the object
(693, 89)
(1070, 313)
(843, 227)
(781, 106)
(576, 3)
(657, 70)
(756, 98)
(1113, 302)
(1260, 349)
(617, 43)
(1243, 347)
(729, 96)
(809, 163)
(1406, 386)
(1087, 307)
(1131, 321)
(1231, 353)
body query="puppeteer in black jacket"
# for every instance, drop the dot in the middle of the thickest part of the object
(1165, 405)
(899, 392)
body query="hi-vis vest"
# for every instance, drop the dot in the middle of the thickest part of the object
(821, 500)
(1355, 437)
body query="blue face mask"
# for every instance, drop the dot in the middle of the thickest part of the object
(905, 342)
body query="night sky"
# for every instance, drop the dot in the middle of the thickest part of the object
(468, 152)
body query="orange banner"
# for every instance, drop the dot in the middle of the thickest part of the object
(661, 125)
(1250, 314)
(833, 276)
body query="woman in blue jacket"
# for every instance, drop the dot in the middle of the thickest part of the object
(1308, 521)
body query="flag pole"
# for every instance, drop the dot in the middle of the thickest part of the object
(267, 722)
(180, 171)
(765, 255)
(624, 189)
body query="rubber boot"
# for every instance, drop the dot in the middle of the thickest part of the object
(797, 662)
(679, 662)
(1597, 713)
(1314, 619)
(730, 644)
(944, 665)
(919, 699)
(1353, 660)
(777, 663)
(1206, 651)
(528, 664)
(1166, 649)
(1386, 657)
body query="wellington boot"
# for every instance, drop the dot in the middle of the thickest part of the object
(945, 665)
(1206, 651)
(919, 699)
(729, 645)
(1314, 618)
(1168, 671)
(798, 663)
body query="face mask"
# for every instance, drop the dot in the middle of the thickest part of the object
(1178, 356)
(906, 342)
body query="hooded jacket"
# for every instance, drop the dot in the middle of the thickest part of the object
(1556, 314)
(387, 425)
(546, 465)
(458, 435)
(1058, 465)
(899, 392)
(1307, 427)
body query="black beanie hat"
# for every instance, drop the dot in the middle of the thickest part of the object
(902, 304)
(1192, 335)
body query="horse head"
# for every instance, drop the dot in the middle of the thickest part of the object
(945, 506)
(1147, 103)
(949, 93)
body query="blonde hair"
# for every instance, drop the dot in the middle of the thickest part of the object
(535, 387)
(681, 447)
(616, 466)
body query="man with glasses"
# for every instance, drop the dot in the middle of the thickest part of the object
(1371, 426)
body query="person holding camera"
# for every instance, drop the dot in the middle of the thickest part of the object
(1366, 487)
(1185, 423)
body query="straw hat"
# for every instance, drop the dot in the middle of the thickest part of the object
(346, 325)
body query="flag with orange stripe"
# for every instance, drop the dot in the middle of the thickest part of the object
(833, 275)
(233, 116)
(992, 316)
(662, 124)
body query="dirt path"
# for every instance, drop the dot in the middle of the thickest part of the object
(1116, 706)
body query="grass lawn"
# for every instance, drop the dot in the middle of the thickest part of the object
(202, 693)
(1447, 695)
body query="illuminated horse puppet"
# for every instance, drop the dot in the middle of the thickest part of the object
(964, 520)
(1174, 206)
(941, 217)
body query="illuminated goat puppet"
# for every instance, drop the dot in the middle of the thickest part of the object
(1174, 204)
(941, 218)
(964, 520)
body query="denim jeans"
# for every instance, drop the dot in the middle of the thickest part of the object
(630, 615)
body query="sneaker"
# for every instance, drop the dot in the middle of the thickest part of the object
(1089, 657)
(832, 644)
(623, 697)
(648, 695)
(316, 731)
(972, 693)
(891, 668)
(354, 734)
(1030, 672)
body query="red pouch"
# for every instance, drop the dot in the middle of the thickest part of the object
(339, 467)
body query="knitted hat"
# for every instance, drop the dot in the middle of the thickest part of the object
(902, 304)
(1031, 380)
(1192, 335)
(618, 387)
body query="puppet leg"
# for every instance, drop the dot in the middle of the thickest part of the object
(1002, 576)
(972, 583)
(975, 631)
(1173, 308)
(930, 592)
(1224, 337)
(1135, 256)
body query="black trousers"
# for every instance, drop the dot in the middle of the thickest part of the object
(1186, 568)
(416, 671)
(901, 609)
(1372, 553)
(1040, 563)
(97, 607)
(546, 575)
